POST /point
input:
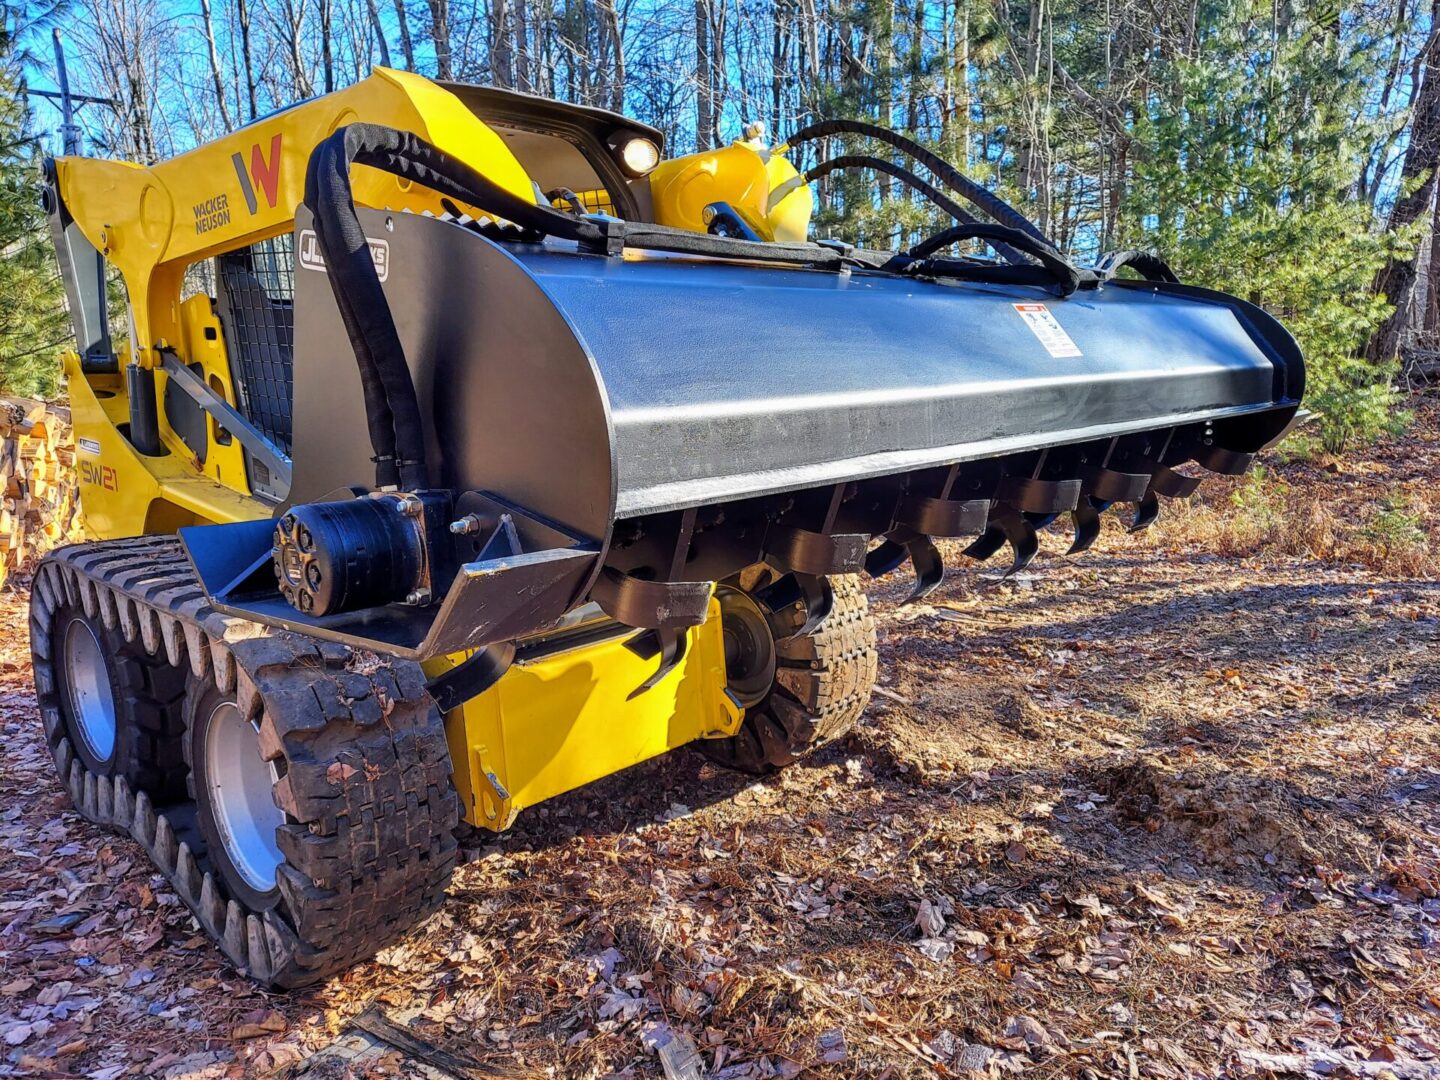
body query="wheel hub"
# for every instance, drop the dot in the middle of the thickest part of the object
(749, 646)
(92, 699)
(239, 782)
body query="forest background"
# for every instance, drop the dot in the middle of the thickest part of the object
(1283, 151)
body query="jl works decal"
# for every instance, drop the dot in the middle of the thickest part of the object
(262, 174)
(311, 259)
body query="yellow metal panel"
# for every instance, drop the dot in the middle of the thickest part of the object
(125, 494)
(246, 185)
(201, 342)
(789, 215)
(152, 223)
(555, 724)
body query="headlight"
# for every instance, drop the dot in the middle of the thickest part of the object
(638, 156)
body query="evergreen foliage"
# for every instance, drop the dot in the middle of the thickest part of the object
(33, 323)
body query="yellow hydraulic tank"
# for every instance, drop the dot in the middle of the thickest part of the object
(742, 175)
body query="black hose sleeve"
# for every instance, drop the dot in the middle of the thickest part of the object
(1060, 269)
(356, 286)
(1149, 266)
(391, 406)
(989, 273)
(915, 183)
(953, 178)
(684, 242)
(904, 175)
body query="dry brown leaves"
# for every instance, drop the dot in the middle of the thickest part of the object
(1152, 813)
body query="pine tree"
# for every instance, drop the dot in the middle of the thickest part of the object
(33, 322)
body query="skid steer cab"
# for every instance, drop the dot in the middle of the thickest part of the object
(461, 449)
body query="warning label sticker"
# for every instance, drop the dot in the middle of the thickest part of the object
(1048, 329)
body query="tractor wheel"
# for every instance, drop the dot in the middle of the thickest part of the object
(320, 818)
(232, 785)
(799, 691)
(330, 820)
(120, 708)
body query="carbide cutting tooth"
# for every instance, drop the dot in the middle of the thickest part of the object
(900, 545)
(1086, 517)
(1018, 531)
(885, 558)
(819, 599)
(669, 645)
(796, 588)
(929, 568)
(1026, 544)
(991, 541)
(1147, 510)
(1173, 485)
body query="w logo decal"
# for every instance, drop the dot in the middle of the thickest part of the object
(263, 174)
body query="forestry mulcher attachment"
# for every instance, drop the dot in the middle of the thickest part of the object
(462, 450)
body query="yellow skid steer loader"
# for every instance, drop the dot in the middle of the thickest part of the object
(460, 449)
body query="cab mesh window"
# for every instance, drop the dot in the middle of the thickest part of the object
(255, 300)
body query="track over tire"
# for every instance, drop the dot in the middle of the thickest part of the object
(822, 685)
(359, 749)
(146, 700)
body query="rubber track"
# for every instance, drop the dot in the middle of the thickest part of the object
(369, 846)
(822, 685)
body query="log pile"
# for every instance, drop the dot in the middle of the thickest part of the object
(39, 505)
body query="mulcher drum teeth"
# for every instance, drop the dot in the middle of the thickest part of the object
(1086, 518)
(369, 846)
(1146, 511)
(922, 554)
(1007, 526)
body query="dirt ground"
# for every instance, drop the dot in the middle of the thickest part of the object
(1171, 809)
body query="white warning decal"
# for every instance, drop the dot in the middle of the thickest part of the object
(1048, 329)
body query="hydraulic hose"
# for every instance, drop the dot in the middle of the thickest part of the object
(392, 409)
(986, 200)
(1148, 266)
(1061, 270)
(899, 172)
(912, 181)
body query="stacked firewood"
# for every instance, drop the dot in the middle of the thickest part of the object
(39, 507)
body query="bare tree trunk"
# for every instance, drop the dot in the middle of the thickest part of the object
(304, 86)
(502, 59)
(616, 34)
(522, 46)
(916, 65)
(704, 71)
(1431, 315)
(407, 47)
(1396, 279)
(327, 45)
(542, 41)
(242, 14)
(379, 32)
(779, 49)
(440, 31)
(214, 54)
(718, 10)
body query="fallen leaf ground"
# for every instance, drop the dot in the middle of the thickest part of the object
(1170, 810)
